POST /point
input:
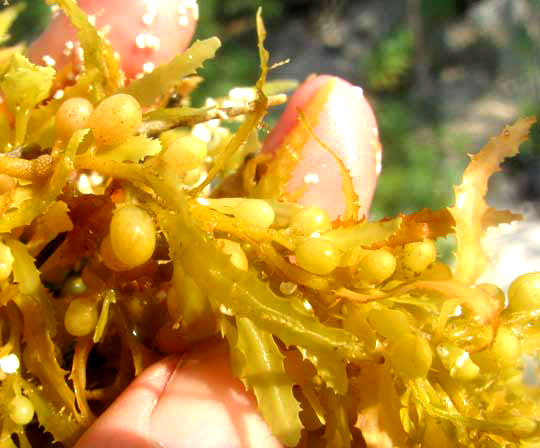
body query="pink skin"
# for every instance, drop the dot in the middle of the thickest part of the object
(125, 22)
(347, 125)
(194, 400)
(181, 403)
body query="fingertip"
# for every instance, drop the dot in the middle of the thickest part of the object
(154, 35)
(343, 119)
(145, 34)
(300, 98)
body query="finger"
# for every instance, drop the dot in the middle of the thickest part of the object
(141, 31)
(175, 403)
(343, 119)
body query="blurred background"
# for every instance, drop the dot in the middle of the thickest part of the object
(442, 76)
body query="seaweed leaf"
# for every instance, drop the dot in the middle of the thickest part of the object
(98, 53)
(134, 149)
(364, 233)
(330, 369)
(44, 195)
(39, 328)
(7, 17)
(57, 422)
(337, 432)
(470, 206)
(153, 86)
(258, 362)
(24, 86)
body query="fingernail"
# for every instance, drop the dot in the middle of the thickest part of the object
(342, 118)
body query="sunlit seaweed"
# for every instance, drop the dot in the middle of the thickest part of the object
(406, 352)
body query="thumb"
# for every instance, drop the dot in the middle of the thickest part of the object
(144, 33)
(197, 402)
(183, 403)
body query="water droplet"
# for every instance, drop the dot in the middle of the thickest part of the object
(461, 199)
(243, 94)
(288, 288)
(140, 41)
(49, 61)
(193, 7)
(378, 162)
(202, 132)
(311, 178)
(152, 7)
(68, 48)
(9, 363)
(83, 185)
(148, 67)
(59, 94)
(148, 19)
(224, 310)
(183, 21)
(96, 178)
(214, 123)
(146, 40)
(358, 91)
(152, 41)
(80, 54)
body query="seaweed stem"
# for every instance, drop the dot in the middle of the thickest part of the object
(155, 127)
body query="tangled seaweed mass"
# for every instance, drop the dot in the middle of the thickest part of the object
(124, 235)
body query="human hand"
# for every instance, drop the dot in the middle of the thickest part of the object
(194, 400)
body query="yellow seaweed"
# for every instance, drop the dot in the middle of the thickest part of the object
(470, 208)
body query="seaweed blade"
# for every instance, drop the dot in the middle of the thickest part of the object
(470, 206)
(153, 85)
(258, 362)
